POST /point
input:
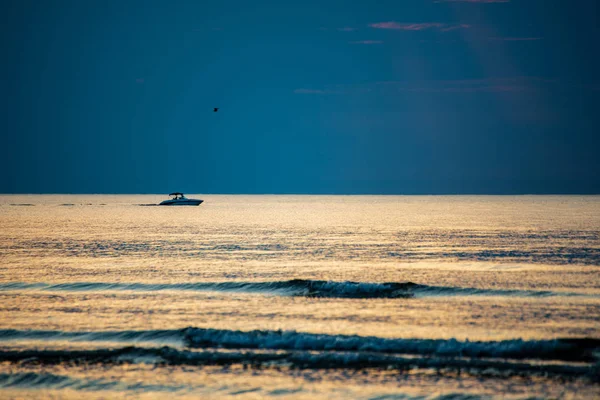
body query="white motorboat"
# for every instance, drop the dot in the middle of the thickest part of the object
(179, 199)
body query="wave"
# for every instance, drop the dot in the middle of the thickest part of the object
(162, 337)
(49, 381)
(296, 359)
(32, 380)
(562, 349)
(293, 287)
(557, 349)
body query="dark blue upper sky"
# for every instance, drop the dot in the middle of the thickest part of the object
(391, 97)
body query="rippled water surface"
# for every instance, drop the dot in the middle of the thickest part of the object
(300, 297)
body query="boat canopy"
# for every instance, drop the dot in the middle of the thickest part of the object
(175, 194)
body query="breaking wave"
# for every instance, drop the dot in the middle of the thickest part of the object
(558, 349)
(294, 287)
(568, 349)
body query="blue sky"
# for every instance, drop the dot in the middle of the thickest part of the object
(389, 97)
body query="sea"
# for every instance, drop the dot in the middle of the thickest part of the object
(300, 297)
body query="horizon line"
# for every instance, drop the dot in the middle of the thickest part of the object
(314, 194)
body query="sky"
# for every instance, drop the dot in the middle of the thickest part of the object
(315, 97)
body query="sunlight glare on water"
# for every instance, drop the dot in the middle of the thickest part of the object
(421, 276)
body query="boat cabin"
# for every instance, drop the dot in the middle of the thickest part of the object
(177, 196)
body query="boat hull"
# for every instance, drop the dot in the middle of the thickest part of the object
(186, 202)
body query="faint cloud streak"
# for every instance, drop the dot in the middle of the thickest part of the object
(515, 39)
(512, 84)
(315, 91)
(472, 1)
(392, 25)
(490, 39)
(367, 42)
(483, 85)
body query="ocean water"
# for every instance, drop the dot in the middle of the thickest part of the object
(370, 297)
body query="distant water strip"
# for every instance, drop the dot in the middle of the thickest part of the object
(294, 287)
(567, 349)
